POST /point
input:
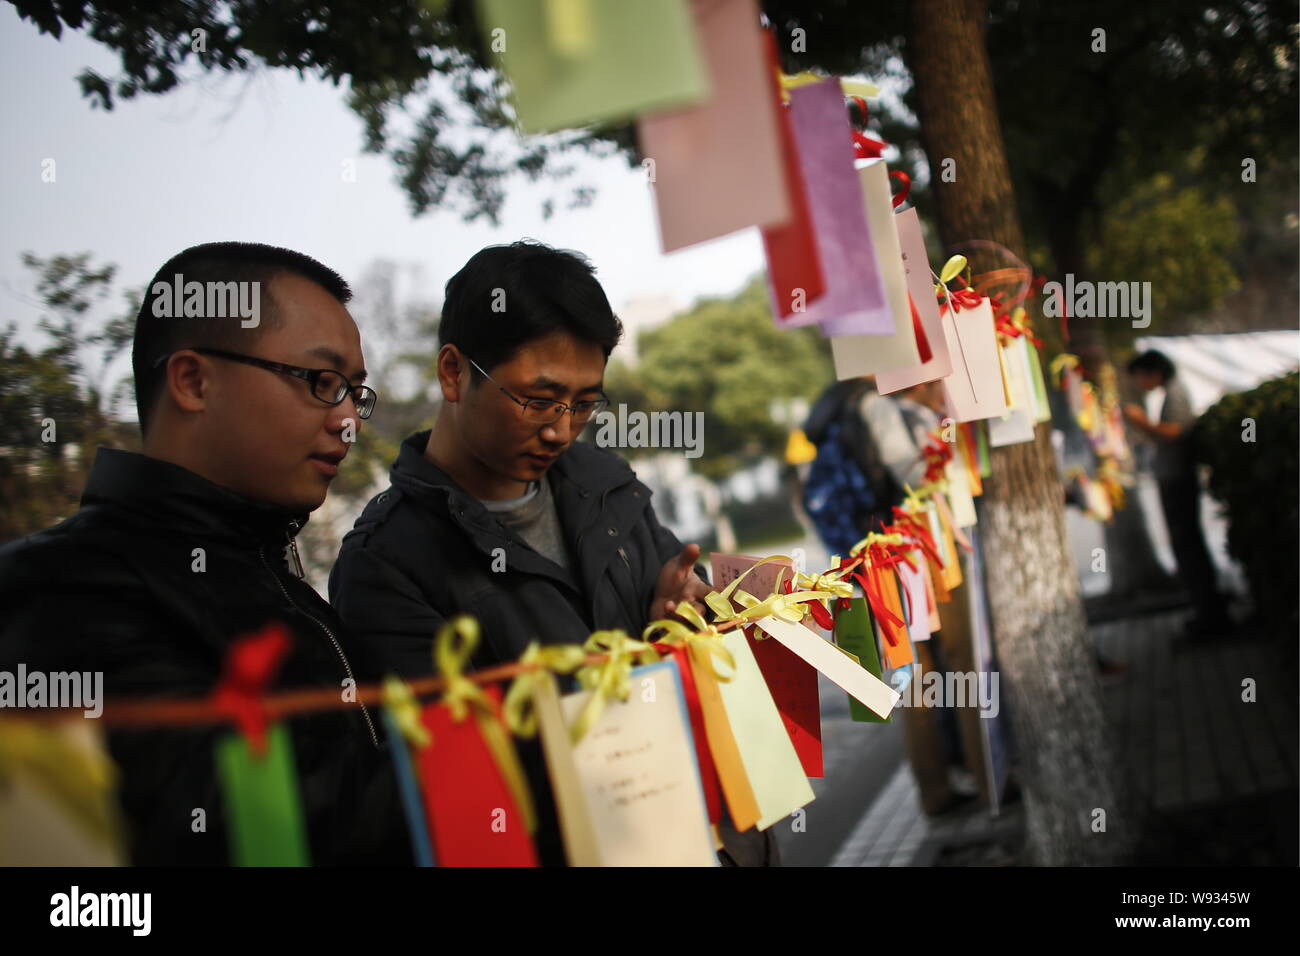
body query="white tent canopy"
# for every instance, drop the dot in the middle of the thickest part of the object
(1212, 366)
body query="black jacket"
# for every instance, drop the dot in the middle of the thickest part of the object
(424, 550)
(114, 589)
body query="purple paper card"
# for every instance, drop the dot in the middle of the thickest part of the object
(854, 300)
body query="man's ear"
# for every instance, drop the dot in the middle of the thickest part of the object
(185, 381)
(453, 372)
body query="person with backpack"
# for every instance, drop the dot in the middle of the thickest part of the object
(868, 453)
(870, 449)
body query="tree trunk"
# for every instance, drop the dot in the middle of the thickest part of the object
(1067, 768)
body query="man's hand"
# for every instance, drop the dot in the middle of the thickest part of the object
(678, 582)
(1135, 415)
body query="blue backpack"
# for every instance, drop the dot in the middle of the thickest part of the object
(848, 491)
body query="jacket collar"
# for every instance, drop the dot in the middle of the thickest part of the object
(161, 493)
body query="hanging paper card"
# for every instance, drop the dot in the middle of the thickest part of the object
(968, 455)
(1018, 425)
(639, 777)
(704, 757)
(913, 583)
(854, 301)
(793, 685)
(57, 806)
(855, 680)
(701, 189)
(963, 505)
(263, 812)
(857, 355)
(791, 681)
(931, 600)
(409, 790)
(982, 446)
(611, 61)
(916, 266)
(581, 847)
(853, 633)
(975, 388)
(1042, 410)
(938, 573)
(471, 810)
(795, 277)
(897, 673)
(951, 537)
(895, 648)
(742, 805)
(771, 764)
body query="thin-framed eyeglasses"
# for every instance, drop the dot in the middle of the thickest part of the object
(545, 411)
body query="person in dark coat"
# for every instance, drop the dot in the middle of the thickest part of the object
(499, 512)
(177, 551)
(1174, 468)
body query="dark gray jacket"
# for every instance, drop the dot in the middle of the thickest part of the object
(424, 551)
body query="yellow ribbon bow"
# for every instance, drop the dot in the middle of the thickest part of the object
(452, 650)
(518, 709)
(610, 679)
(400, 701)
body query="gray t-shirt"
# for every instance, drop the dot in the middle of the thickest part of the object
(533, 517)
(1173, 459)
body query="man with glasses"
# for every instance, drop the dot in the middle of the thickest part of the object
(179, 550)
(499, 512)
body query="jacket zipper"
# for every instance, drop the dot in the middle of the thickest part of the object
(319, 623)
(631, 577)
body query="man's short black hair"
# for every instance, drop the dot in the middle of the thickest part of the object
(214, 262)
(508, 296)
(1153, 361)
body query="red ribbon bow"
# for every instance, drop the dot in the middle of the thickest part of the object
(251, 664)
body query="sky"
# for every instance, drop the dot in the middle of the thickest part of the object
(259, 159)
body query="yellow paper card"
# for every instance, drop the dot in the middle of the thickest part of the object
(639, 775)
(580, 847)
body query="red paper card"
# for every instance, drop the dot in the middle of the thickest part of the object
(708, 772)
(793, 261)
(473, 819)
(793, 683)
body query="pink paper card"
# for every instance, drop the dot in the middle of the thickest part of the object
(920, 284)
(717, 166)
(856, 355)
(855, 301)
(918, 623)
(974, 389)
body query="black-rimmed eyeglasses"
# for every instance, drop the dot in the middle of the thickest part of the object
(329, 386)
(544, 411)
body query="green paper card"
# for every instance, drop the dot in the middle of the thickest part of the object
(1042, 410)
(982, 449)
(853, 633)
(263, 812)
(576, 62)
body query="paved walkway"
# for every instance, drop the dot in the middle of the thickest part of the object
(1200, 754)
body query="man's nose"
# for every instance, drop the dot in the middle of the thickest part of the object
(559, 431)
(342, 414)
